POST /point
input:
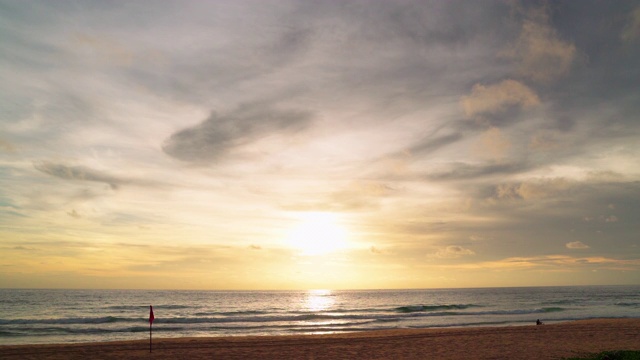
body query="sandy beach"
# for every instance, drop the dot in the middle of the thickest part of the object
(549, 341)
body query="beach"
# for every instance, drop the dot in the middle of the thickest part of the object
(548, 341)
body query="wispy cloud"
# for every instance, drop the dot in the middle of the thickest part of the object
(577, 245)
(540, 53)
(558, 263)
(83, 173)
(6, 146)
(498, 97)
(214, 138)
(631, 31)
(453, 252)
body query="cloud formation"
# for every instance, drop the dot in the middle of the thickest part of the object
(6, 146)
(79, 173)
(83, 173)
(577, 245)
(555, 263)
(540, 53)
(493, 144)
(631, 31)
(533, 189)
(220, 134)
(496, 98)
(453, 252)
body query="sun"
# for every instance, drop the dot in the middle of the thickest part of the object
(318, 233)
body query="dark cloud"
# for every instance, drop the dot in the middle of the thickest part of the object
(606, 73)
(219, 134)
(416, 22)
(540, 54)
(83, 173)
(434, 143)
(464, 171)
(542, 218)
(80, 173)
(552, 212)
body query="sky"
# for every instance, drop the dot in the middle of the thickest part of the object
(319, 144)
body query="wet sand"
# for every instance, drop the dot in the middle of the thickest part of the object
(549, 341)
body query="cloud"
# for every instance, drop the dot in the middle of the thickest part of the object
(453, 252)
(102, 48)
(543, 141)
(560, 263)
(78, 173)
(219, 134)
(577, 245)
(540, 54)
(465, 171)
(355, 196)
(432, 144)
(493, 144)
(6, 146)
(375, 250)
(83, 173)
(631, 31)
(533, 189)
(496, 98)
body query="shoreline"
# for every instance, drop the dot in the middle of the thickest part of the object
(549, 341)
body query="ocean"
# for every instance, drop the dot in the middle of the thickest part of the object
(67, 316)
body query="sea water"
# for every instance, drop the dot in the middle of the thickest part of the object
(65, 316)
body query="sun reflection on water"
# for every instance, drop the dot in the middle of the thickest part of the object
(319, 300)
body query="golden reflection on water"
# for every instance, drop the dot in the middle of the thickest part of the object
(319, 300)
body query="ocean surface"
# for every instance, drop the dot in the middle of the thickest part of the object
(66, 316)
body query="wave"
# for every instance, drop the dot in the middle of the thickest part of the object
(138, 307)
(628, 304)
(261, 317)
(481, 313)
(81, 320)
(420, 308)
(233, 313)
(516, 311)
(552, 309)
(48, 331)
(307, 327)
(7, 333)
(562, 302)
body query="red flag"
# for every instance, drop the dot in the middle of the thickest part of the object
(151, 317)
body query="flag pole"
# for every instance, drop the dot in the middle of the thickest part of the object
(151, 318)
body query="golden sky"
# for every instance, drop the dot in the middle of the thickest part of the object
(319, 144)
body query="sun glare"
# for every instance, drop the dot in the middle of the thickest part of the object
(318, 233)
(319, 300)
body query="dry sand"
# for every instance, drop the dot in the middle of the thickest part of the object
(550, 341)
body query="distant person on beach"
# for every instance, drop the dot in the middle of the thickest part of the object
(538, 322)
